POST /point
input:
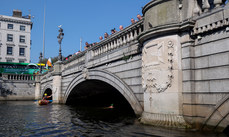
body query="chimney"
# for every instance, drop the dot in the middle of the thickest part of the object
(17, 13)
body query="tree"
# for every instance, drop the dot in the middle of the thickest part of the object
(54, 59)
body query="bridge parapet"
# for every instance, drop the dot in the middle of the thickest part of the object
(118, 39)
(74, 60)
(115, 41)
(210, 20)
(47, 74)
(202, 6)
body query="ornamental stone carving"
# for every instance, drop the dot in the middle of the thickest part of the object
(157, 66)
(85, 73)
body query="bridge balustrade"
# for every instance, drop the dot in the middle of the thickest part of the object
(19, 77)
(114, 41)
(118, 39)
(75, 59)
(212, 20)
(47, 73)
(206, 5)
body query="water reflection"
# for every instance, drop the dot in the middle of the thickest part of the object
(29, 119)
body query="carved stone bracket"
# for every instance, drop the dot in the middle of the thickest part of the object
(85, 73)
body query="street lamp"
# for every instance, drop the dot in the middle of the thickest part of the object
(60, 37)
(40, 58)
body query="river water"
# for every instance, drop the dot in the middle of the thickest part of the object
(27, 118)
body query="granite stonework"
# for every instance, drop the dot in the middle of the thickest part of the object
(17, 87)
(161, 81)
(205, 70)
(171, 66)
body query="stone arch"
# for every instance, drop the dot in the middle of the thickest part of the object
(111, 79)
(218, 119)
(46, 87)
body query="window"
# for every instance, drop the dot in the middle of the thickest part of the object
(10, 37)
(9, 50)
(22, 28)
(22, 51)
(10, 26)
(21, 61)
(9, 60)
(22, 39)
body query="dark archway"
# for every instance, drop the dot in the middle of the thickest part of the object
(92, 100)
(226, 130)
(48, 91)
(103, 77)
(95, 93)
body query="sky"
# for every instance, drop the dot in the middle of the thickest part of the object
(86, 19)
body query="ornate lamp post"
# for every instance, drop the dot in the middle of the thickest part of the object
(40, 58)
(60, 37)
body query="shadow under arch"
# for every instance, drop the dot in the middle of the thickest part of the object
(48, 90)
(110, 79)
(218, 119)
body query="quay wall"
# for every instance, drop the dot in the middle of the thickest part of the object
(17, 87)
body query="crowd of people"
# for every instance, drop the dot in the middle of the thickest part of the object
(113, 31)
(106, 35)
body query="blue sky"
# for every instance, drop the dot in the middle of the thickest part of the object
(86, 19)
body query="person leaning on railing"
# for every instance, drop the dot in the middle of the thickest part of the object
(139, 17)
(120, 27)
(100, 38)
(113, 31)
(87, 45)
(106, 35)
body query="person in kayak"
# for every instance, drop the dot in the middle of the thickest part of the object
(46, 97)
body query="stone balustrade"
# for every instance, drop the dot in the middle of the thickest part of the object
(118, 39)
(206, 5)
(209, 21)
(18, 77)
(114, 41)
(75, 59)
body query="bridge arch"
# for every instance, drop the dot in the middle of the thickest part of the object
(47, 89)
(110, 79)
(218, 119)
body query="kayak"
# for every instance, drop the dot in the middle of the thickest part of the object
(43, 102)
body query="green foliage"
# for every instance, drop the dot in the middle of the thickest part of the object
(54, 59)
(126, 57)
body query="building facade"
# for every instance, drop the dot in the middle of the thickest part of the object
(15, 38)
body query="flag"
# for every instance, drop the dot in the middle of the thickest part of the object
(49, 63)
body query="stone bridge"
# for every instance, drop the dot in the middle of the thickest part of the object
(171, 67)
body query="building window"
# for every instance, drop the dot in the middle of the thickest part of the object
(10, 37)
(22, 39)
(9, 60)
(10, 26)
(9, 50)
(22, 51)
(22, 28)
(21, 61)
